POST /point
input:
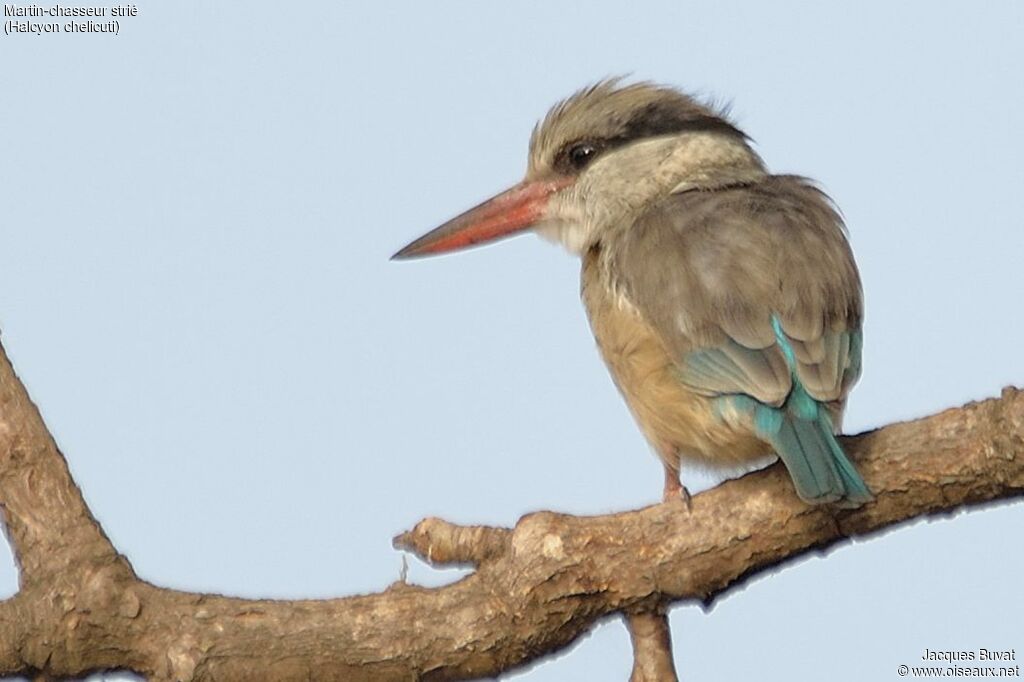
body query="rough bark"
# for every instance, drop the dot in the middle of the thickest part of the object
(534, 590)
(652, 647)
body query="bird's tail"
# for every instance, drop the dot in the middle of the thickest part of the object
(800, 431)
(816, 462)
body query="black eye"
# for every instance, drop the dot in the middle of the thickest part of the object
(581, 154)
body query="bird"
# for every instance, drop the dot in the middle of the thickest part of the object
(725, 300)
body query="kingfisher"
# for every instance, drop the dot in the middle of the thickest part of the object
(725, 300)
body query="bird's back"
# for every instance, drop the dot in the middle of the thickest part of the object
(744, 292)
(703, 264)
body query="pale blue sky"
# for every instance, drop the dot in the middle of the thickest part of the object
(195, 287)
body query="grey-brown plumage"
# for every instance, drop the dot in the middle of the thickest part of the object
(725, 300)
(709, 269)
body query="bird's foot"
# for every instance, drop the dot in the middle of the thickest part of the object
(680, 495)
(675, 491)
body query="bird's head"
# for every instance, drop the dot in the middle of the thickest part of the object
(596, 160)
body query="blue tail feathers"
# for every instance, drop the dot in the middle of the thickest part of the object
(820, 470)
(800, 431)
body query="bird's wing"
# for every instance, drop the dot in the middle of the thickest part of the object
(748, 287)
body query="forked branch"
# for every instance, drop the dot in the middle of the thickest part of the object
(534, 590)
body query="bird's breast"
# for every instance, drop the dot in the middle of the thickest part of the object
(672, 418)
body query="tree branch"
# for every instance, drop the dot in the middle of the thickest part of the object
(652, 647)
(536, 587)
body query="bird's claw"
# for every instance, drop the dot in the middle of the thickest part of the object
(676, 491)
